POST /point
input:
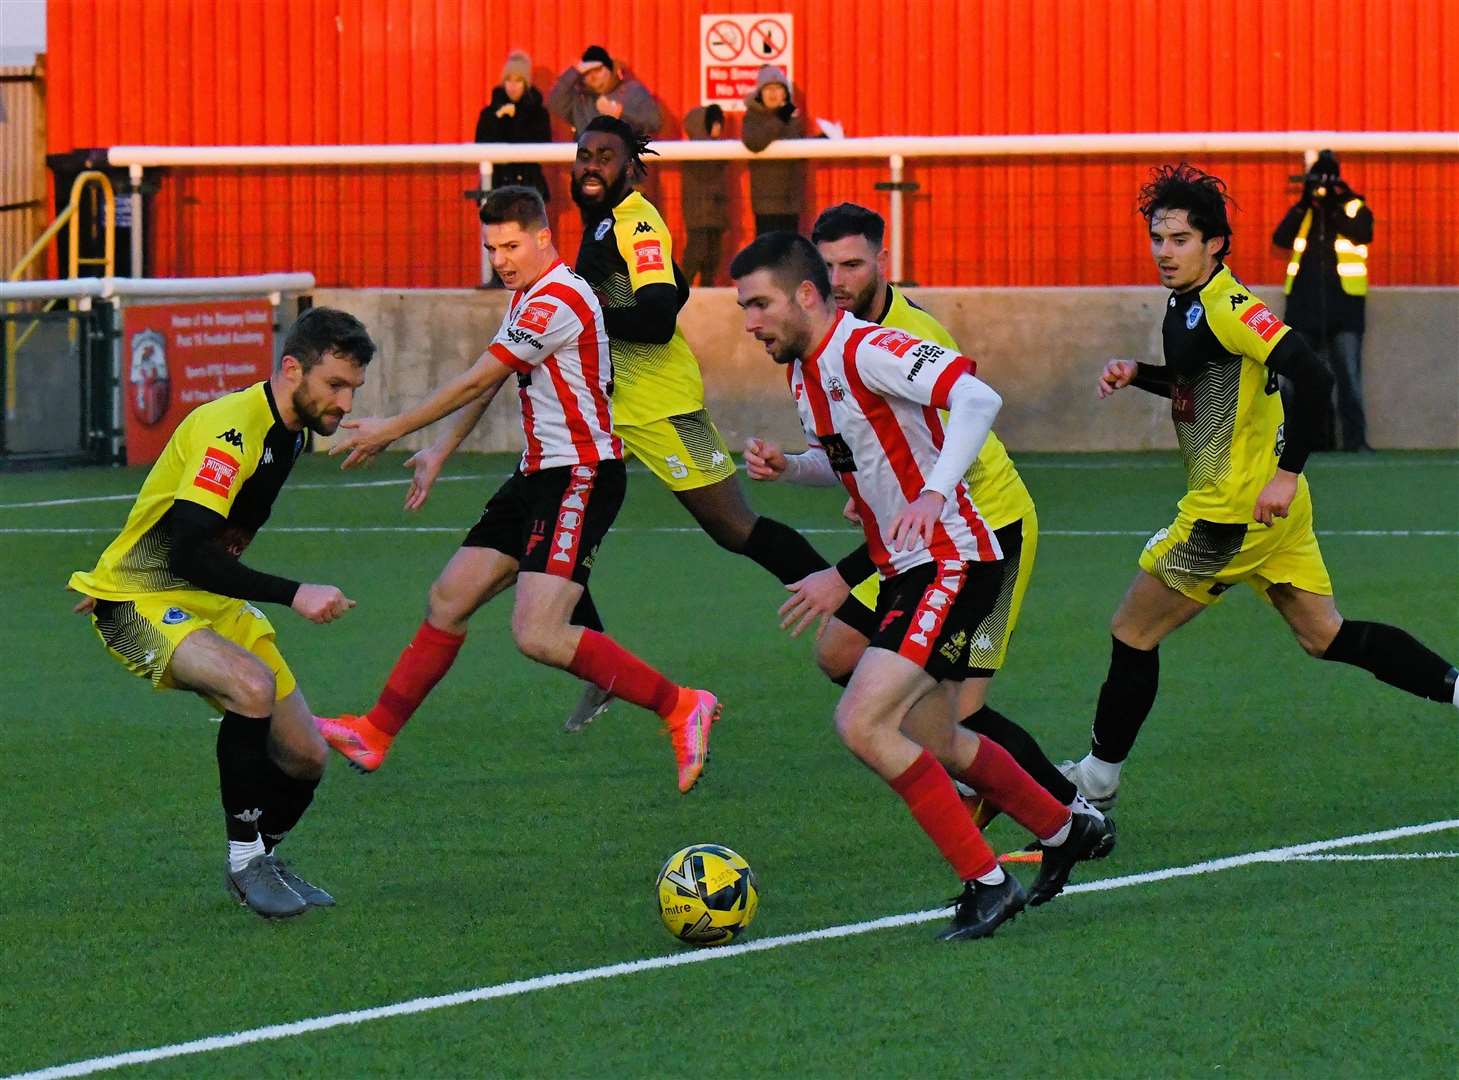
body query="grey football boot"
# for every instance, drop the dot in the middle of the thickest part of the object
(259, 887)
(590, 706)
(310, 893)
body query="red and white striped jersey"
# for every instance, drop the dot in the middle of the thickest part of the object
(554, 339)
(868, 396)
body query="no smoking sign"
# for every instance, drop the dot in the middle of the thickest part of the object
(733, 48)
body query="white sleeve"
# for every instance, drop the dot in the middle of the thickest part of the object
(813, 468)
(972, 406)
(892, 363)
(539, 328)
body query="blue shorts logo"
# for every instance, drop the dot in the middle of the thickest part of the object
(174, 615)
(1193, 316)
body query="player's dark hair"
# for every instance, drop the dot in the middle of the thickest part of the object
(790, 257)
(323, 330)
(517, 203)
(847, 219)
(1202, 196)
(635, 146)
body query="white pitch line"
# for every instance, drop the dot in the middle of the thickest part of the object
(84, 499)
(689, 530)
(1389, 857)
(638, 469)
(681, 959)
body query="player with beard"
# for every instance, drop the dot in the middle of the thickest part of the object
(658, 395)
(849, 239)
(871, 401)
(172, 601)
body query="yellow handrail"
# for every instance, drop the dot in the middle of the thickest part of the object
(74, 262)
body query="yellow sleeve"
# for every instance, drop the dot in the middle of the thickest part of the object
(1244, 325)
(646, 247)
(219, 450)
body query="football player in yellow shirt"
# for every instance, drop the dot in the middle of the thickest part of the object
(1247, 512)
(850, 240)
(172, 602)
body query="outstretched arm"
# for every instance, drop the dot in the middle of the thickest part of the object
(369, 435)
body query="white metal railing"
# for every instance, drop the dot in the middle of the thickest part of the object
(895, 149)
(119, 288)
(85, 290)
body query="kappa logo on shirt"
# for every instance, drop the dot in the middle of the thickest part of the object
(232, 437)
(219, 470)
(648, 255)
(535, 316)
(1262, 322)
(896, 342)
(642, 227)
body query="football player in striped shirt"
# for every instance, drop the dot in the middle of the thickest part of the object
(542, 528)
(1247, 512)
(849, 238)
(869, 400)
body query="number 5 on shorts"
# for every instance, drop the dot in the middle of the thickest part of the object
(677, 469)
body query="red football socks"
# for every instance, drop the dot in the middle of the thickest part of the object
(1002, 781)
(934, 802)
(428, 657)
(609, 666)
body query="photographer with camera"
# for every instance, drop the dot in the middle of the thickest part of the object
(1328, 232)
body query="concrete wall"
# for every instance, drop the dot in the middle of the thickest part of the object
(1041, 348)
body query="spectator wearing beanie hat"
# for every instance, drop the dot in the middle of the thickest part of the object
(777, 188)
(595, 86)
(516, 114)
(704, 200)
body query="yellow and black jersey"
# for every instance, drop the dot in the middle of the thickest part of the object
(624, 249)
(1223, 396)
(993, 483)
(230, 456)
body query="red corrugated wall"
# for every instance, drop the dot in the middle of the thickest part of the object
(392, 71)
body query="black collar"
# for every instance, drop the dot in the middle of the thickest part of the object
(268, 392)
(887, 307)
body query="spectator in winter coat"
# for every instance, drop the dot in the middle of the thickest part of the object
(705, 197)
(516, 114)
(777, 188)
(595, 86)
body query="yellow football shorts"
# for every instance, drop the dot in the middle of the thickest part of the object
(989, 648)
(1202, 559)
(685, 452)
(143, 632)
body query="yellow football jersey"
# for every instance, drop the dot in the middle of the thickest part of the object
(623, 250)
(994, 484)
(230, 455)
(1224, 399)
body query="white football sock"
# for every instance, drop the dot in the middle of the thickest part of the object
(241, 854)
(1103, 775)
(1059, 837)
(992, 877)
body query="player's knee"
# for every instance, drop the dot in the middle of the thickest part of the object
(443, 609)
(728, 530)
(853, 727)
(835, 662)
(253, 689)
(539, 641)
(1316, 637)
